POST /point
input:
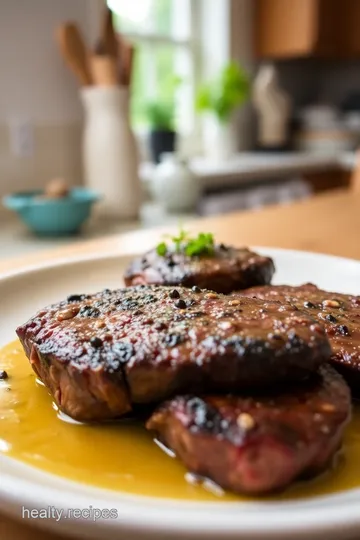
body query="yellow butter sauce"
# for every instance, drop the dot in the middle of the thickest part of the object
(121, 456)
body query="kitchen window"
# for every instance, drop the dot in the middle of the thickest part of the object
(163, 32)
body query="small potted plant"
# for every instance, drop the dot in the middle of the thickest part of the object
(160, 113)
(219, 99)
(160, 116)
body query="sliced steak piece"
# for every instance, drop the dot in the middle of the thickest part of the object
(338, 313)
(228, 269)
(99, 354)
(257, 444)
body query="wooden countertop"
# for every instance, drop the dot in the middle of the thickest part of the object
(328, 223)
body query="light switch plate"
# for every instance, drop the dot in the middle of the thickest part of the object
(21, 133)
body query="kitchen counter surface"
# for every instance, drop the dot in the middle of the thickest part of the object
(325, 223)
(15, 239)
(243, 170)
(248, 167)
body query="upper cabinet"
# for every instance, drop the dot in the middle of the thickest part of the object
(304, 28)
(350, 14)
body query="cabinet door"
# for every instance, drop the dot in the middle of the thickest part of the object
(330, 29)
(286, 28)
(350, 23)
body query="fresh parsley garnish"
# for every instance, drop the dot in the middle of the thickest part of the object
(203, 244)
(161, 249)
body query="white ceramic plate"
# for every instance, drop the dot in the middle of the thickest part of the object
(330, 517)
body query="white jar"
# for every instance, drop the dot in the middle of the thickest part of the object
(110, 156)
(219, 139)
(174, 186)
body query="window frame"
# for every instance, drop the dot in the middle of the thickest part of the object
(232, 39)
(189, 45)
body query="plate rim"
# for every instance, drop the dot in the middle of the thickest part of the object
(317, 520)
(108, 255)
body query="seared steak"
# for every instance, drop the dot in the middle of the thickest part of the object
(228, 269)
(99, 354)
(257, 444)
(338, 313)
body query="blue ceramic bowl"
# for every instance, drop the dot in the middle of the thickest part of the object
(53, 217)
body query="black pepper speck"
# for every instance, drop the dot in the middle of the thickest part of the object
(180, 304)
(96, 342)
(75, 297)
(89, 311)
(173, 339)
(160, 326)
(343, 330)
(3, 375)
(174, 294)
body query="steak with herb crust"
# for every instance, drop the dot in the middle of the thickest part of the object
(258, 444)
(224, 269)
(338, 313)
(100, 354)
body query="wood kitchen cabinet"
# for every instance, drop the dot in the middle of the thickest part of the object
(326, 180)
(304, 28)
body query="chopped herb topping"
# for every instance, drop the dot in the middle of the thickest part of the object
(161, 249)
(203, 244)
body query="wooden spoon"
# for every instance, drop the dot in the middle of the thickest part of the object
(125, 55)
(73, 50)
(104, 70)
(108, 39)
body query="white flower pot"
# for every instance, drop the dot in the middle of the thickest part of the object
(219, 139)
(110, 156)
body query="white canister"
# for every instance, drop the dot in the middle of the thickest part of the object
(174, 186)
(110, 156)
(220, 140)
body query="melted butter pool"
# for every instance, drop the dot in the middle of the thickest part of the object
(122, 456)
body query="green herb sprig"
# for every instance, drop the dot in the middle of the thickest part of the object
(203, 244)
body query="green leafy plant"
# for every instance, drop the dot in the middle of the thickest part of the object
(160, 116)
(203, 244)
(228, 91)
(160, 112)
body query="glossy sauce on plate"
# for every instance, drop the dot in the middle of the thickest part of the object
(122, 455)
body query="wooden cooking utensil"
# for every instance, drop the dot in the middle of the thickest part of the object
(129, 53)
(73, 50)
(104, 70)
(108, 40)
(125, 59)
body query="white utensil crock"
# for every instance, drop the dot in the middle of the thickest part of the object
(110, 156)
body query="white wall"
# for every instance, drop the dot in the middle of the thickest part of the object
(34, 80)
(35, 85)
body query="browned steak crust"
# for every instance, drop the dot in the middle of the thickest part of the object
(257, 444)
(99, 354)
(228, 269)
(338, 313)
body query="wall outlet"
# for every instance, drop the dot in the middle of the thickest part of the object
(21, 134)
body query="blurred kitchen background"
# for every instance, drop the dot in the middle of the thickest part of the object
(165, 109)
